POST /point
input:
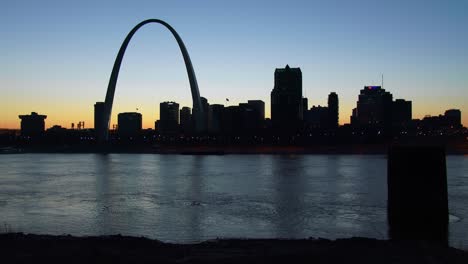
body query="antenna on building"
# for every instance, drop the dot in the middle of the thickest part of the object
(382, 80)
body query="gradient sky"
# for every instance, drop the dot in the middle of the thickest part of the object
(56, 56)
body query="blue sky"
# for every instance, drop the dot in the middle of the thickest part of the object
(56, 56)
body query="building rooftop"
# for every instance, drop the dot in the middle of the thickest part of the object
(287, 68)
(32, 115)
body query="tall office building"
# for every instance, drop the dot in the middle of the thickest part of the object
(249, 119)
(253, 115)
(206, 110)
(215, 118)
(232, 120)
(374, 108)
(333, 110)
(186, 120)
(168, 117)
(129, 124)
(99, 124)
(401, 112)
(286, 100)
(259, 108)
(32, 125)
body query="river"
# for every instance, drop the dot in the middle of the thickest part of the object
(184, 198)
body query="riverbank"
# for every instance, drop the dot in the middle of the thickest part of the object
(461, 149)
(27, 248)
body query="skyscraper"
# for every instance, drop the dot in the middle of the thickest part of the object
(248, 117)
(401, 112)
(206, 109)
(186, 120)
(99, 123)
(216, 116)
(32, 125)
(286, 100)
(259, 107)
(168, 117)
(253, 115)
(232, 120)
(333, 109)
(374, 108)
(129, 124)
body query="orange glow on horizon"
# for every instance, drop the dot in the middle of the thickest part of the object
(10, 119)
(63, 113)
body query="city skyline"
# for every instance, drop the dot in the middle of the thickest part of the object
(206, 101)
(340, 118)
(419, 49)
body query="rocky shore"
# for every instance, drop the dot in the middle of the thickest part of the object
(28, 248)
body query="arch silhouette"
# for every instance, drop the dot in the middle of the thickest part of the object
(107, 111)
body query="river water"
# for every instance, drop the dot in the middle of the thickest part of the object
(184, 198)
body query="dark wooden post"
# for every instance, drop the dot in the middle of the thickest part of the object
(417, 193)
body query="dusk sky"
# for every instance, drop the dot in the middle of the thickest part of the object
(56, 56)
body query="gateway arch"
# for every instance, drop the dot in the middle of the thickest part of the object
(103, 114)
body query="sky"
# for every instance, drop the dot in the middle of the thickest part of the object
(56, 56)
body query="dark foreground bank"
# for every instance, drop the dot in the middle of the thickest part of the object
(21, 248)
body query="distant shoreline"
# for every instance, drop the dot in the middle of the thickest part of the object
(377, 149)
(18, 247)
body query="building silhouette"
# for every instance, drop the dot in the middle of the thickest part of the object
(322, 117)
(99, 118)
(129, 124)
(157, 125)
(215, 118)
(374, 109)
(56, 129)
(32, 125)
(450, 119)
(286, 100)
(186, 124)
(168, 118)
(252, 115)
(333, 110)
(259, 108)
(232, 121)
(305, 107)
(203, 126)
(401, 112)
(317, 117)
(453, 117)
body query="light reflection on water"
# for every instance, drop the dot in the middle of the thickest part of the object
(183, 198)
